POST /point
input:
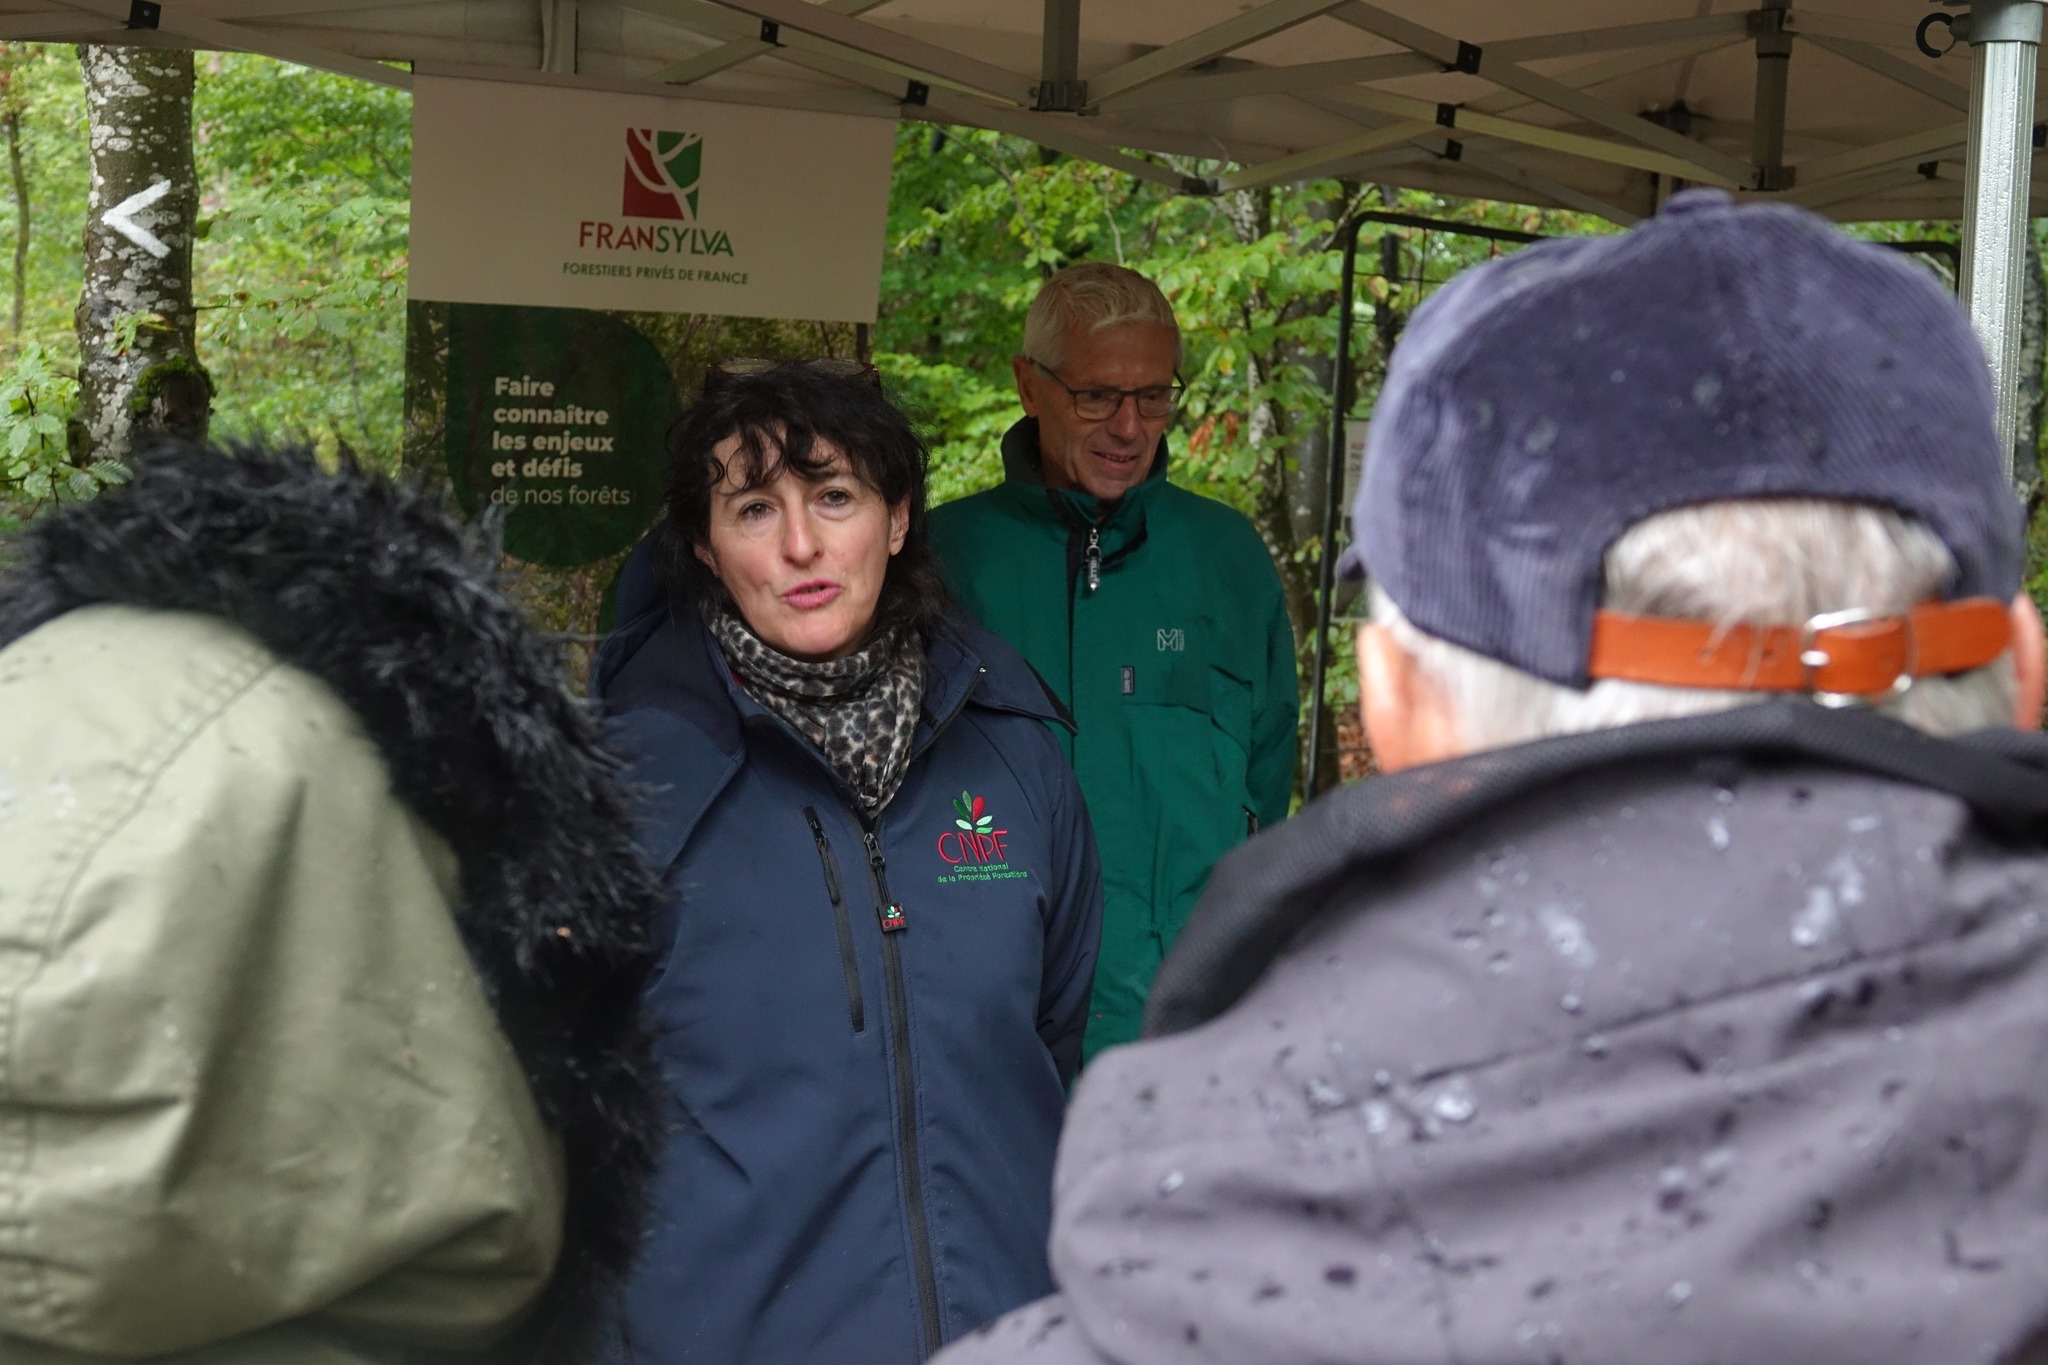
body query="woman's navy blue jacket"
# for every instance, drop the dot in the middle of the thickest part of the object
(868, 1028)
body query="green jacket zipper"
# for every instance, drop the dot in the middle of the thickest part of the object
(855, 1008)
(1085, 566)
(897, 1005)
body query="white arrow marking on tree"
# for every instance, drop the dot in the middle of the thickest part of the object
(121, 218)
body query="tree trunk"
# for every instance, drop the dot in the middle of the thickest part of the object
(18, 174)
(139, 372)
(12, 105)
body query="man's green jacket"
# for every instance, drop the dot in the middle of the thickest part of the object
(1159, 622)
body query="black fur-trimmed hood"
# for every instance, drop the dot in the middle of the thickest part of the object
(373, 589)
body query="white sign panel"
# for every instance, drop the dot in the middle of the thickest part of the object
(534, 195)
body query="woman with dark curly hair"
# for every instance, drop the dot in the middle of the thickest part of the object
(885, 898)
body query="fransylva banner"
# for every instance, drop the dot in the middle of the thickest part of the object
(579, 258)
(561, 198)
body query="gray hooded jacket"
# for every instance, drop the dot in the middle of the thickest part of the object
(1715, 1040)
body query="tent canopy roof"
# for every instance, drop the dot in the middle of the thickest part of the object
(1598, 105)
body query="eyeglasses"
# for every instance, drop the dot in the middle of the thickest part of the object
(742, 367)
(1099, 405)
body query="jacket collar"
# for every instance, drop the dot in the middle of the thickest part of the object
(1263, 894)
(1024, 476)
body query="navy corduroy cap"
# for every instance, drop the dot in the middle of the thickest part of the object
(1540, 405)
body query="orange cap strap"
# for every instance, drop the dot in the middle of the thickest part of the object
(1840, 657)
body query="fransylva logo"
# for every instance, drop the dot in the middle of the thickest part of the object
(662, 170)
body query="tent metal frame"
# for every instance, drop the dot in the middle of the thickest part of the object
(1345, 241)
(882, 70)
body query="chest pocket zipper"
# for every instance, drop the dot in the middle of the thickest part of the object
(855, 1010)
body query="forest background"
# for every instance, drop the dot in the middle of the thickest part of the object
(299, 278)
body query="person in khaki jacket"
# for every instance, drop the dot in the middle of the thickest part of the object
(320, 937)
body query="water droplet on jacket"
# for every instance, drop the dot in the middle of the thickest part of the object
(1499, 964)
(1679, 1292)
(1717, 832)
(1848, 879)
(1572, 1004)
(1863, 824)
(1541, 437)
(1817, 919)
(1456, 1103)
(1567, 935)
(1706, 389)
(1173, 1181)
(1378, 1116)
(1323, 1097)
(1594, 1046)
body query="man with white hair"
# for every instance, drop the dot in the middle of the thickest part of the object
(1680, 992)
(1154, 614)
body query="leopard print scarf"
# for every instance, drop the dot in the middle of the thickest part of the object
(859, 712)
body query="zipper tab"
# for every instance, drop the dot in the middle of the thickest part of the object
(1094, 557)
(891, 912)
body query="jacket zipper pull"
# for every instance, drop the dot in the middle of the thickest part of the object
(1094, 559)
(891, 913)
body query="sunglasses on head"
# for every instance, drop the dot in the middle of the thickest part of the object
(741, 367)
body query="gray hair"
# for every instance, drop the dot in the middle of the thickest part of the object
(1099, 295)
(1768, 561)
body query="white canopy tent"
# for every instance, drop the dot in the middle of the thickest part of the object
(1598, 105)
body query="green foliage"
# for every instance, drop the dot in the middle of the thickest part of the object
(35, 398)
(962, 413)
(300, 264)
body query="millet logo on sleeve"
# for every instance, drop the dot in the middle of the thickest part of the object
(1173, 638)
(973, 849)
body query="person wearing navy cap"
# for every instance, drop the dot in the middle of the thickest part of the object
(1679, 991)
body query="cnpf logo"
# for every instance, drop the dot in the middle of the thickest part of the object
(976, 840)
(662, 170)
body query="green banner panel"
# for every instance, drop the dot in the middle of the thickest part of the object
(558, 416)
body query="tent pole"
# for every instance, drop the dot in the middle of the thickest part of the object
(1767, 127)
(2006, 36)
(1061, 89)
(1333, 494)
